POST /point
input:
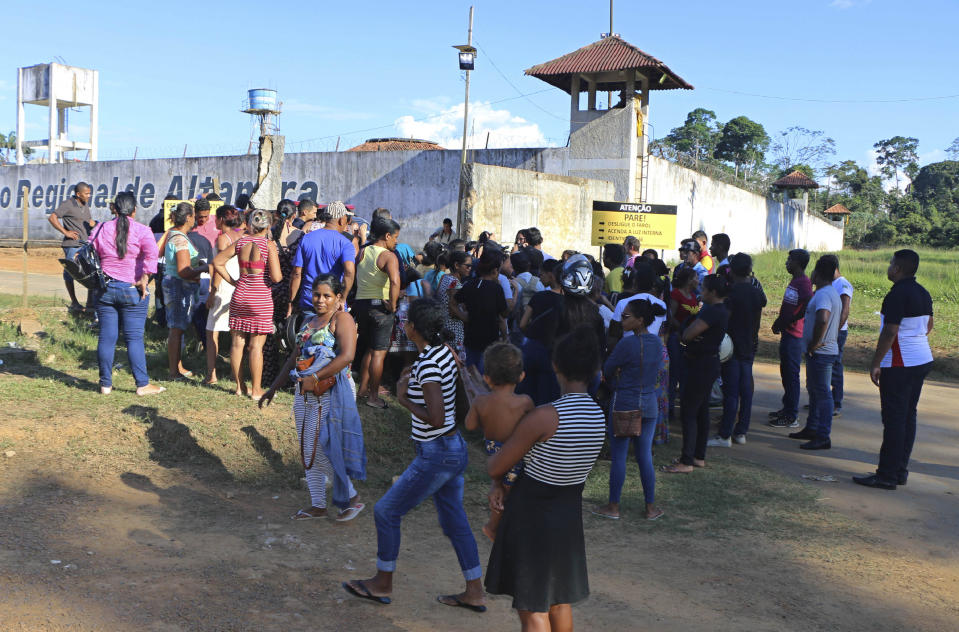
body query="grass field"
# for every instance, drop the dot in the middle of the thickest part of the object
(866, 270)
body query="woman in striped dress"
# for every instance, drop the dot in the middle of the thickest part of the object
(251, 307)
(428, 391)
(539, 555)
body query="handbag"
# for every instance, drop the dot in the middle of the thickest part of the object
(310, 383)
(628, 423)
(85, 267)
(469, 386)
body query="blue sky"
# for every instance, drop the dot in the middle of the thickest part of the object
(174, 73)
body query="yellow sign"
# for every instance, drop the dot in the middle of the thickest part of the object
(653, 224)
(169, 205)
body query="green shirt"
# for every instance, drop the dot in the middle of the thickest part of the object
(614, 280)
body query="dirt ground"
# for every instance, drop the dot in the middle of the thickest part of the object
(169, 547)
(41, 260)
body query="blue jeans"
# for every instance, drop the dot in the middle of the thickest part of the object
(436, 471)
(643, 451)
(737, 396)
(180, 299)
(121, 302)
(540, 382)
(69, 252)
(790, 360)
(837, 369)
(475, 358)
(818, 376)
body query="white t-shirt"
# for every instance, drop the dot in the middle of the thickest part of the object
(844, 288)
(607, 315)
(657, 322)
(507, 288)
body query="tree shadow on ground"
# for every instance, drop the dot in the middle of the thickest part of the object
(173, 445)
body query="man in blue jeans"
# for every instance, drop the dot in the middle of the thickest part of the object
(821, 348)
(745, 304)
(72, 219)
(789, 324)
(900, 365)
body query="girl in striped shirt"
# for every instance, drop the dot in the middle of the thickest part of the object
(539, 555)
(428, 390)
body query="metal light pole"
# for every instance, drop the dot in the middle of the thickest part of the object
(467, 57)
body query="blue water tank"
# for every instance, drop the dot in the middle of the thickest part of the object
(262, 99)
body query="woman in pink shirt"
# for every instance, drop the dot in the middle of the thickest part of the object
(128, 255)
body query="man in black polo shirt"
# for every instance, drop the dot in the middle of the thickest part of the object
(899, 366)
(72, 219)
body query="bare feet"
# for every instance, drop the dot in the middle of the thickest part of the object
(256, 396)
(241, 389)
(150, 389)
(210, 381)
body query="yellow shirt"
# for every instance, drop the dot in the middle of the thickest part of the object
(614, 280)
(371, 282)
(708, 263)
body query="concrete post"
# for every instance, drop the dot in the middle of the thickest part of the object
(21, 120)
(574, 97)
(52, 111)
(94, 116)
(269, 173)
(591, 87)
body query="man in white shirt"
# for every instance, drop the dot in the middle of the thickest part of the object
(845, 290)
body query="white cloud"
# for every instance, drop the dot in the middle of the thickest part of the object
(848, 4)
(324, 111)
(446, 127)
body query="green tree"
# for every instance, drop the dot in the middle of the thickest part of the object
(898, 154)
(742, 142)
(8, 144)
(798, 145)
(953, 150)
(938, 184)
(697, 137)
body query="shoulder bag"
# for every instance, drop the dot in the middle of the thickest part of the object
(85, 267)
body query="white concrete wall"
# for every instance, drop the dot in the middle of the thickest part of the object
(505, 200)
(603, 146)
(754, 223)
(420, 187)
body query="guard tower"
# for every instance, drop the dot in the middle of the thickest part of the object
(610, 144)
(59, 87)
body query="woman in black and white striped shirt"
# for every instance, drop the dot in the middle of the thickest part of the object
(539, 555)
(428, 390)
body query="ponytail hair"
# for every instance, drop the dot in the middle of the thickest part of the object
(428, 317)
(124, 205)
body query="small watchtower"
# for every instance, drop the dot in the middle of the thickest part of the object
(796, 181)
(610, 144)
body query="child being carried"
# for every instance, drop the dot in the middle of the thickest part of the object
(498, 412)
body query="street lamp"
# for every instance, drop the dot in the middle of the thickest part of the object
(467, 60)
(467, 56)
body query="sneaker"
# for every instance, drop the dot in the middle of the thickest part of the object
(837, 412)
(719, 442)
(777, 413)
(739, 439)
(784, 422)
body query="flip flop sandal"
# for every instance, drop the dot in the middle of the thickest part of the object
(366, 594)
(671, 469)
(458, 603)
(303, 514)
(372, 405)
(350, 512)
(603, 515)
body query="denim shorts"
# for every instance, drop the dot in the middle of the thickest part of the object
(179, 299)
(374, 324)
(69, 252)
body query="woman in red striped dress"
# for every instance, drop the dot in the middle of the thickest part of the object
(251, 308)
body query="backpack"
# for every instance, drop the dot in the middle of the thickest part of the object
(85, 266)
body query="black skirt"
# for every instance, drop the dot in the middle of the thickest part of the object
(539, 556)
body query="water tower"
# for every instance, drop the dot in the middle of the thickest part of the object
(263, 105)
(59, 87)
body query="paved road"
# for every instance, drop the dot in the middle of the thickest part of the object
(923, 515)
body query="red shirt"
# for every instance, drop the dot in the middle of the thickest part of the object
(688, 307)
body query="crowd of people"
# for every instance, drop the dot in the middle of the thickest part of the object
(574, 351)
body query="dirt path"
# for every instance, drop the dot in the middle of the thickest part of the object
(161, 548)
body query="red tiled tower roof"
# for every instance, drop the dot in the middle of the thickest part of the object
(609, 54)
(796, 180)
(837, 209)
